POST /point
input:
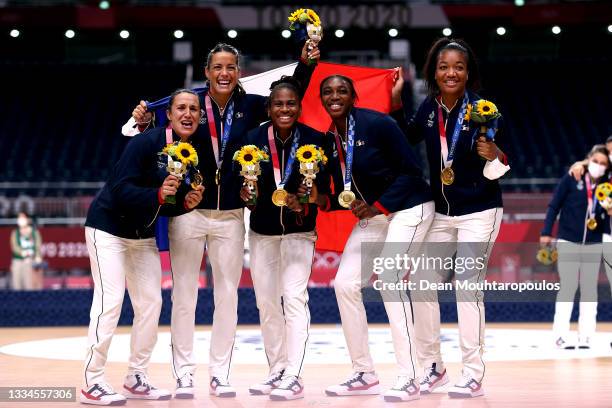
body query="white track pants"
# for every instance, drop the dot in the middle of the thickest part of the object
(577, 264)
(222, 232)
(479, 230)
(281, 267)
(408, 227)
(113, 261)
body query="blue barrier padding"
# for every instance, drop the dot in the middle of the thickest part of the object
(71, 308)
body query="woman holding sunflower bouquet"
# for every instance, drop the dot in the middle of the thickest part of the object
(282, 234)
(218, 222)
(119, 232)
(464, 165)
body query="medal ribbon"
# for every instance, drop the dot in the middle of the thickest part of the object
(225, 130)
(590, 190)
(347, 168)
(275, 162)
(448, 156)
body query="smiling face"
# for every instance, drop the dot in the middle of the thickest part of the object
(184, 114)
(337, 97)
(284, 109)
(223, 73)
(451, 72)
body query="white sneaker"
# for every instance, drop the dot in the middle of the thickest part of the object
(405, 389)
(584, 343)
(101, 394)
(221, 389)
(467, 387)
(184, 387)
(137, 386)
(265, 387)
(360, 383)
(290, 388)
(564, 344)
(433, 379)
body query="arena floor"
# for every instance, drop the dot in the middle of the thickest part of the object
(523, 369)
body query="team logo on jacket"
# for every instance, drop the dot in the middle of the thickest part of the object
(238, 115)
(430, 119)
(203, 120)
(359, 143)
(580, 185)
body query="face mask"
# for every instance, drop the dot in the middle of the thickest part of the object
(22, 222)
(596, 170)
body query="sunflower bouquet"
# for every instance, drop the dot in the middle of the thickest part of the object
(305, 23)
(182, 158)
(249, 157)
(310, 156)
(603, 193)
(486, 114)
(547, 255)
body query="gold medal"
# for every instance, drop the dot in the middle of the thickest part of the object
(197, 180)
(345, 198)
(279, 197)
(592, 224)
(447, 176)
(217, 177)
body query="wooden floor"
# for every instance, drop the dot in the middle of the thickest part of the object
(551, 383)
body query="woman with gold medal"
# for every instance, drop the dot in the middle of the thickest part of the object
(379, 180)
(464, 167)
(282, 236)
(582, 224)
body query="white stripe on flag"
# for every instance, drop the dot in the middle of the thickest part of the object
(260, 84)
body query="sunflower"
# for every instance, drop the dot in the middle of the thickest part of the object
(603, 190)
(313, 17)
(307, 154)
(468, 112)
(486, 108)
(186, 154)
(295, 15)
(323, 156)
(247, 155)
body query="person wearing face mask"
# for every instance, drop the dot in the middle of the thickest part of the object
(282, 240)
(578, 169)
(119, 232)
(582, 224)
(218, 222)
(25, 248)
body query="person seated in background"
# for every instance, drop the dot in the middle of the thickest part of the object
(582, 224)
(25, 248)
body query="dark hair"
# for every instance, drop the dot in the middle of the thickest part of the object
(285, 82)
(342, 78)
(598, 148)
(223, 47)
(609, 139)
(443, 44)
(180, 91)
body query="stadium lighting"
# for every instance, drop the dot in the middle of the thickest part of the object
(519, 3)
(393, 32)
(447, 32)
(69, 33)
(556, 30)
(232, 33)
(610, 28)
(14, 33)
(104, 5)
(125, 34)
(339, 33)
(286, 33)
(501, 31)
(178, 34)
